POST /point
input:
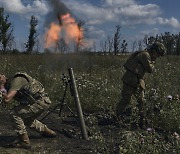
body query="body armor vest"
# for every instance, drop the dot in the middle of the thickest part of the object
(31, 91)
(134, 65)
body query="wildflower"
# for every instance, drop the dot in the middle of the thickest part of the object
(154, 94)
(154, 91)
(150, 129)
(169, 97)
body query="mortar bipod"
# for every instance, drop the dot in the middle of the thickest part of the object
(61, 103)
(67, 82)
(74, 92)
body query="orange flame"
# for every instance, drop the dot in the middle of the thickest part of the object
(52, 35)
(72, 31)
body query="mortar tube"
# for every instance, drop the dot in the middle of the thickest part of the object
(78, 105)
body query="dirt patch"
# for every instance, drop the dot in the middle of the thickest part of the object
(105, 136)
(69, 139)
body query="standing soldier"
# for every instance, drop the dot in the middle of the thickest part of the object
(33, 101)
(136, 66)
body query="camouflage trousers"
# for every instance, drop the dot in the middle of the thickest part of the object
(123, 107)
(25, 116)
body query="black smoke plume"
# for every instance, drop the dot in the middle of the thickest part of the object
(58, 9)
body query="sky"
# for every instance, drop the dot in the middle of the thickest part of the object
(137, 18)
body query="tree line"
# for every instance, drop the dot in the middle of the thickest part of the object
(7, 43)
(114, 44)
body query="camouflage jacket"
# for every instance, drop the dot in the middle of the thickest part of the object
(136, 66)
(31, 91)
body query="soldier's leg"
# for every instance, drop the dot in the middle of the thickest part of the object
(140, 99)
(37, 109)
(24, 115)
(42, 128)
(122, 107)
(17, 121)
(20, 129)
(18, 124)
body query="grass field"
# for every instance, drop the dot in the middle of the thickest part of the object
(99, 85)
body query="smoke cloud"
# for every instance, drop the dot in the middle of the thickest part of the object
(57, 9)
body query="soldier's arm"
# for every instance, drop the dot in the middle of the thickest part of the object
(16, 85)
(9, 96)
(147, 63)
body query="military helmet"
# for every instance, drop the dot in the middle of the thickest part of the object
(159, 48)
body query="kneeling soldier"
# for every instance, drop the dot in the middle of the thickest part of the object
(33, 102)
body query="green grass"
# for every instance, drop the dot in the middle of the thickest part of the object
(99, 85)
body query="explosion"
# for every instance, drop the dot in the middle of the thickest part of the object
(67, 28)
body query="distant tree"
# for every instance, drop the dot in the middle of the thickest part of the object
(169, 41)
(62, 46)
(124, 46)
(140, 45)
(177, 44)
(152, 39)
(109, 44)
(116, 39)
(134, 46)
(149, 40)
(32, 35)
(37, 46)
(80, 24)
(103, 45)
(145, 40)
(6, 32)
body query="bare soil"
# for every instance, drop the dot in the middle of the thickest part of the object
(69, 138)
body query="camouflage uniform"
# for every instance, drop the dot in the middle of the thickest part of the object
(33, 101)
(133, 84)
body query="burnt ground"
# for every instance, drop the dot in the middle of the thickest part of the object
(102, 136)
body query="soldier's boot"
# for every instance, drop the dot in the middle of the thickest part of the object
(48, 132)
(123, 118)
(23, 142)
